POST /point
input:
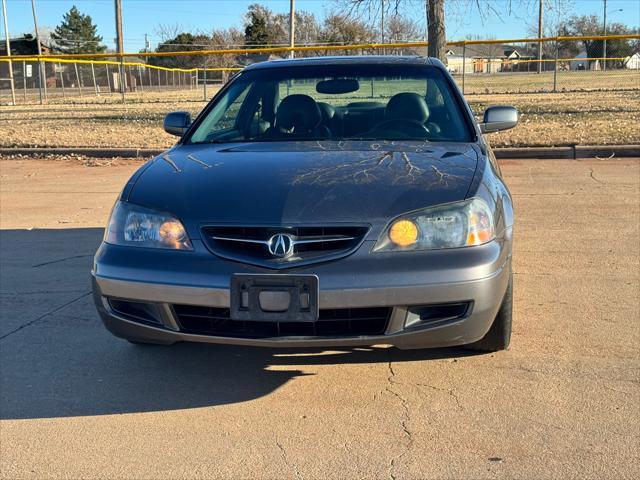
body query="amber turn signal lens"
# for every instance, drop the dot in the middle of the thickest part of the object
(171, 231)
(403, 233)
(480, 229)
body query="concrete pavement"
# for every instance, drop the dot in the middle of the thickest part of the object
(564, 401)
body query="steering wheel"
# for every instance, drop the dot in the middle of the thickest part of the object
(403, 124)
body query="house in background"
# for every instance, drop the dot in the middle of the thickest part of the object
(632, 62)
(519, 60)
(26, 72)
(24, 46)
(456, 61)
(488, 58)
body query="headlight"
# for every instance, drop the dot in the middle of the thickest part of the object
(135, 226)
(454, 225)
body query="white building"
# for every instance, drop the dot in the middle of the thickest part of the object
(632, 62)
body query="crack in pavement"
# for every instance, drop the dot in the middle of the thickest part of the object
(593, 177)
(31, 322)
(41, 292)
(450, 391)
(407, 418)
(285, 457)
(60, 260)
(391, 379)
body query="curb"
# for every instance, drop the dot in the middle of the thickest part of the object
(571, 153)
(86, 152)
(544, 153)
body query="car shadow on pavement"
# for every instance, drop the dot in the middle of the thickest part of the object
(57, 360)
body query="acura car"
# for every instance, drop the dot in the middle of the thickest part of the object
(341, 201)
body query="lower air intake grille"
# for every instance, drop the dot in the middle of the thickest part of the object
(341, 322)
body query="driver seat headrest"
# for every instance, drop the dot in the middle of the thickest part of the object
(298, 112)
(407, 106)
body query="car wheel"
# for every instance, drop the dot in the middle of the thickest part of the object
(499, 335)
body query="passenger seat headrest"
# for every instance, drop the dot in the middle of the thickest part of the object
(407, 106)
(298, 112)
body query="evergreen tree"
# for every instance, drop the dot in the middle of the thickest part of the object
(77, 34)
(257, 32)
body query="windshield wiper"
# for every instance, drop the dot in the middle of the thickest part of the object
(207, 142)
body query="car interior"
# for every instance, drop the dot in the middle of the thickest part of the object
(337, 109)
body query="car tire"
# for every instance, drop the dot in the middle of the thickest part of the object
(499, 335)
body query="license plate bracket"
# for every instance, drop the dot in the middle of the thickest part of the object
(249, 294)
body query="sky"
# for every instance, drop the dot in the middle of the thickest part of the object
(144, 16)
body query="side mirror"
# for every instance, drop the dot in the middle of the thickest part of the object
(176, 123)
(499, 118)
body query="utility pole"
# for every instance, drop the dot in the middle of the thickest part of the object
(119, 44)
(604, 50)
(382, 23)
(41, 84)
(426, 21)
(540, 35)
(8, 42)
(292, 26)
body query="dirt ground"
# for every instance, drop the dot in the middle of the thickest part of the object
(608, 117)
(563, 402)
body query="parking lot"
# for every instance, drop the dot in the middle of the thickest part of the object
(563, 402)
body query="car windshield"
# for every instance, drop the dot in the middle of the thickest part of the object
(335, 102)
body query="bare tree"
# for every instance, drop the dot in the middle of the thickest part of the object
(307, 30)
(222, 39)
(168, 31)
(374, 9)
(436, 29)
(339, 29)
(402, 29)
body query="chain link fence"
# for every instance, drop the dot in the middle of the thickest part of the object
(72, 81)
(480, 67)
(566, 66)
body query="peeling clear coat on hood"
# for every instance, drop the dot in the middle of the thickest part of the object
(288, 183)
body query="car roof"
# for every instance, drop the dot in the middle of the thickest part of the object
(346, 60)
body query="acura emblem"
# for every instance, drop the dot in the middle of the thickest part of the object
(281, 245)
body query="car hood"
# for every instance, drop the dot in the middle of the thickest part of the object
(279, 183)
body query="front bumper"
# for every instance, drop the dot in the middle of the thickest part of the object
(478, 275)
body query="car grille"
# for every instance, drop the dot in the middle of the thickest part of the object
(309, 244)
(341, 322)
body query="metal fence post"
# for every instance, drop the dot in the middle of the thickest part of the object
(95, 84)
(24, 79)
(40, 79)
(555, 69)
(62, 80)
(204, 82)
(81, 77)
(464, 64)
(108, 79)
(123, 79)
(140, 75)
(75, 65)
